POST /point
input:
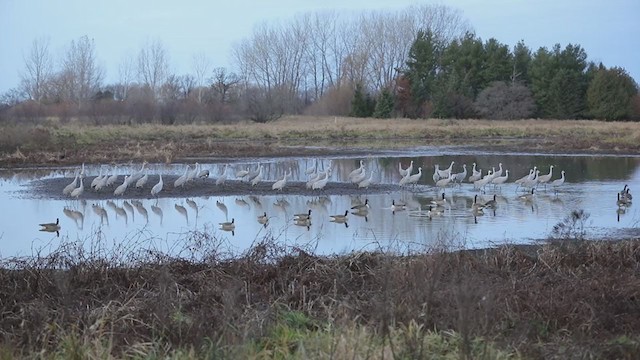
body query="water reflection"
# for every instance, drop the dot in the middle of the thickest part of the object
(424, 215)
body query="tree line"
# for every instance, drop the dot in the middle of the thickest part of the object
(419, 62)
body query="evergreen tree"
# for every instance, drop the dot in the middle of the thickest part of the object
(610, 93)
(559, 81)
(497, 63)
(384, 105)
(361, 105)
(521, 60)
(422, 66)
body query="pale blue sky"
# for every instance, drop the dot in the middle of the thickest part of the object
(608, 30)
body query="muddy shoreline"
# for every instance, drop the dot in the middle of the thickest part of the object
(52, 189)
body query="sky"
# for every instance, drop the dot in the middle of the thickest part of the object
(609, 31)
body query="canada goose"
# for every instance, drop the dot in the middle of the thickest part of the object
(182, 179)
(157, 187)
(280, 184)
(69, 188)
(304, 216)
(79, 190)
(420, 213)
(404, 172)
(441, 202)
(625, 194)
(257, 178)
(303, 222)
(491, 204)
(97, 178)
(476, 206)
(222, 178)
(339, 218)
(122, 188)
(51, 226)
(397, 207)
(361, 207)
(142, 181)
(622, 201)
(228, 225)
(263, 219)
(366, 182)
(527, 196)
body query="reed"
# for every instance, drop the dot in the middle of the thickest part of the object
(275, 301)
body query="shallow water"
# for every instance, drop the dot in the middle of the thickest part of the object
(171, 224)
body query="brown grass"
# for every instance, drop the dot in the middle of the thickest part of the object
(75, 143)
(562, 300)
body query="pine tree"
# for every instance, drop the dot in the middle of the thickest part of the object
(384, 105)
(610, 93)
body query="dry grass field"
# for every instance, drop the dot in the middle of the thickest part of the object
(565, 300)
(51, 142)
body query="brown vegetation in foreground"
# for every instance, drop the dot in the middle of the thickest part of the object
(54, 143)
(565, 300)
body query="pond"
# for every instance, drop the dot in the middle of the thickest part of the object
(171, 222)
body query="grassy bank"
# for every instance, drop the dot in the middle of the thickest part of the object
(72, 143)
(561, 300)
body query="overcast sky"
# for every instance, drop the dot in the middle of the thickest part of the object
(608, 30)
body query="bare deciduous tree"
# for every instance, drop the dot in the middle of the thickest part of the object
(38, 70)
(222, 82)
(81, 74)
(126, 74)
(201, 66)
(153, 66)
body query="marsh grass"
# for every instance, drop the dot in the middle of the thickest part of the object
(275, 301)
(75, 142)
